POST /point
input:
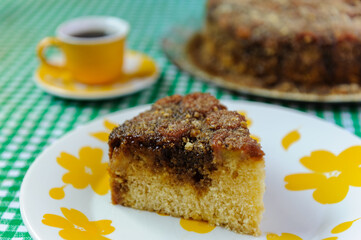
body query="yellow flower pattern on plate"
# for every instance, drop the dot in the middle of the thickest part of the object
(331, 175)
(284, 236)
(193, 225)
(86, 170)
(196, 226)
(343, 226)
(57, 193)
(76, 226)
(290, 139)
(104, 135)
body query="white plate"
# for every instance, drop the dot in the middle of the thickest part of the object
(62, 85)
(291, 213)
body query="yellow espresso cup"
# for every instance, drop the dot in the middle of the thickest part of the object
(93, 48)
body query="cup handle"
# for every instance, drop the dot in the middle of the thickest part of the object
(45, 43)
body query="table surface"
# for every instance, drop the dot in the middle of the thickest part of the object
(30, 119)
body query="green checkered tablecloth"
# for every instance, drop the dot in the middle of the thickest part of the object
(30, 119)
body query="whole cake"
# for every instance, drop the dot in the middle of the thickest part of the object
(188, 156)
(289, 45)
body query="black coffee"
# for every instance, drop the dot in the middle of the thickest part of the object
(91, 34)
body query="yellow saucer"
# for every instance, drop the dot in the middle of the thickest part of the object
(140, 72)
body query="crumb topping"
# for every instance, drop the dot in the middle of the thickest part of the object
(199, 118)
(225, 119)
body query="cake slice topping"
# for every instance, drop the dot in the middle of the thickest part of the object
(197, 117)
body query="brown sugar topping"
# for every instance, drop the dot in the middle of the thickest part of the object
(196, 116)
(225, 119)
(201, 103)
(183, 132)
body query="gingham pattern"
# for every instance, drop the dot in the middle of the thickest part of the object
(30, 119)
